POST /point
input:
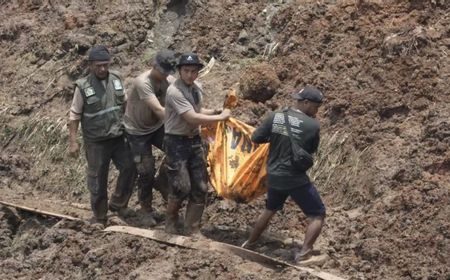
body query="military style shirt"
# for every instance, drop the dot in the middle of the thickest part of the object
(180, 99)
(139, 119)
(102, 107)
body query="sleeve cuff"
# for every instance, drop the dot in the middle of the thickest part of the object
(74, 116)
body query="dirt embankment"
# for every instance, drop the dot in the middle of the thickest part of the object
(384, 68)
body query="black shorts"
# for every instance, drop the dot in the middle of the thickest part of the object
(306, 197)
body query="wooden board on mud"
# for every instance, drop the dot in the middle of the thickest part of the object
(53, 207)
(193, 243)
(40, 212)
(210, 245)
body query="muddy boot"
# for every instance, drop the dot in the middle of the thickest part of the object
(192, 219)
(147, 219)
(123, 212)
(173, 206)
(99, 208)
(117, 221)
(97, 224)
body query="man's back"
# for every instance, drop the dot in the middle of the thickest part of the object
(139, 119)
(305, 130)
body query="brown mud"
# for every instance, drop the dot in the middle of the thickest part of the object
(384, 167)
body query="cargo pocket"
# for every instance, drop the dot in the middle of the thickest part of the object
(120, 97)
(178, 178)
(95, 122)
(93, 103)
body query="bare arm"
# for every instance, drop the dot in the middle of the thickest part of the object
(195, 118)
(153, 103)
(76, 110)
(74, 148)
(210, 111)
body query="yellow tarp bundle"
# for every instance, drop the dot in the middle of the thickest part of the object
(237, 165)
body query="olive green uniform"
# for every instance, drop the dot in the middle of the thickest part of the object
(101, 123)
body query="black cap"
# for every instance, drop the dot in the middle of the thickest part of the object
(189, 59)
(165, 62)
(99, 53)
(309, 93)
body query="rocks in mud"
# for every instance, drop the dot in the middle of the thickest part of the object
(259, 82)
(8, 225)
(25, 240)
(81, 42)
(243, 37)
(15, 166)
(407, 172)
(369, 250)
(54, 235)
(12, 30)
(438, 130)
(71, 22)
(404, 43)
(337, 110)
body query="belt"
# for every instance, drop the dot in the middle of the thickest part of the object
(184, 137)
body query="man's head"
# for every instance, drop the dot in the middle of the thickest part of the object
(99, 61)
(164, 63)
(309, 100)
(189, 66)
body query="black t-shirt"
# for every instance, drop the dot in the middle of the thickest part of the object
(305, 130)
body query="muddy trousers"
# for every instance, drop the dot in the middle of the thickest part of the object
(99, 156)
(142, 150)
(146, 180)
(186, 168)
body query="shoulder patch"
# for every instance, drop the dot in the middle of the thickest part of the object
(117, 85)
(89, 91)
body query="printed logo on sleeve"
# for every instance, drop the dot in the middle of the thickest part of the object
(117, 85)
(89, 91)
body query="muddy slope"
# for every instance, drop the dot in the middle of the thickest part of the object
(383, 65)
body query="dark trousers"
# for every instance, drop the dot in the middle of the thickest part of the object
(186, 168)
(141, 148)
(99, 155)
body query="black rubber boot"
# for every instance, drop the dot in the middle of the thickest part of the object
(193, 217)
(173, 206)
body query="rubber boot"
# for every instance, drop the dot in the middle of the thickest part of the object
(173, 206)
(100, 208)
(193, 217)
(122, 212)
(97, 224)
(147, 218)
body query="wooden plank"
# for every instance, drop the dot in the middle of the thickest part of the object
(210, 245)
(189, 242)
(40, 212)
(193, 243)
